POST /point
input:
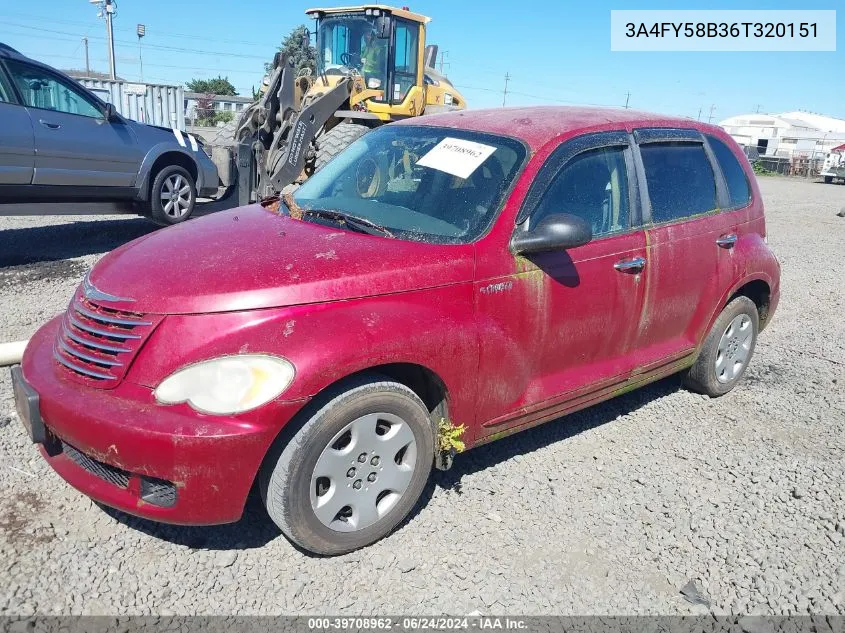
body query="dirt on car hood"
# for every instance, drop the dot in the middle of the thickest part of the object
(250, 258)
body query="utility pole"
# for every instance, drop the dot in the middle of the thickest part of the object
(142, 30)
(505, 94)
(627, 98)
(758, 108)
(110, 31)
(442, 58)
(698, 118)
(710, 118)
(87, 64)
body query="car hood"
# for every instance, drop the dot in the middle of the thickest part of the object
(250, 258)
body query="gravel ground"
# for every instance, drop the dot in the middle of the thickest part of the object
(610, 511)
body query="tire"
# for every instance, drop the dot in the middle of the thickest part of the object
(730, 343)
(828, 180)
(161, 210)
(336, 140)
(318, 488)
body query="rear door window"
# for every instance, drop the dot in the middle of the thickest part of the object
(738, 189)
(680, 180)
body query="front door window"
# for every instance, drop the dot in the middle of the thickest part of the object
(43, 90)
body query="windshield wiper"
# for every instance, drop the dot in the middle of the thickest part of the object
(353, 221)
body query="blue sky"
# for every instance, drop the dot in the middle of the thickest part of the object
(555, 52)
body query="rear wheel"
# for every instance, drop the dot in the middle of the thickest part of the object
(828, 180)
(172, 196)
(336, 140)
(727, 350)
(354, 470)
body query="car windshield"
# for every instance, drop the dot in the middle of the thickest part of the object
(421, 183)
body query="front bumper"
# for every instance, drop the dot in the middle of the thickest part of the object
(208, 179)
(116, 445)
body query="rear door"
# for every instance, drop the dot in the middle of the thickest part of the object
(75, 145)
(17, 148)
(690, 240)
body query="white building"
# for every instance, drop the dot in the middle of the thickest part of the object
(788, 134)
(222, 103)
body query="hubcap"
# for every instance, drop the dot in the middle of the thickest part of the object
(363, 472)
(734, 348)
(175, 196)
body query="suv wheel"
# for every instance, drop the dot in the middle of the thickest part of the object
(353, 471)
(727, 350)
(172, 196)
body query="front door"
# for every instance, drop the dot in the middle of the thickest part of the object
(75, 145)
(17, 149)
(570, 317)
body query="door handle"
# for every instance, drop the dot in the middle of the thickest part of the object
(52, 126)
(727, 241)
(630, 265)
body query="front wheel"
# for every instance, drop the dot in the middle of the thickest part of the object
(353, 471)
(336, 140)
(172, 196)
(727, 350)
(828, 180)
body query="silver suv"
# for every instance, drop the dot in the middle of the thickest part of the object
(62, 143)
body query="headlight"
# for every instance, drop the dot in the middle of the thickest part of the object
(229, 384)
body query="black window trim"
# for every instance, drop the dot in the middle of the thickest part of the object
(561, 157)
(5, 75)
(73, 85)
(644, 136)
(728, 203)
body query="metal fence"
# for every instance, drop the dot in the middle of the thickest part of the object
(156, 104)
(806, 163)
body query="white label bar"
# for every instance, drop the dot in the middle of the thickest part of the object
(728, 30)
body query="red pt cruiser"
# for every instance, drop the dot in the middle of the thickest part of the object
(443, 282)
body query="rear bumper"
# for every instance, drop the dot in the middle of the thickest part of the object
(111, 444)
(774, 299)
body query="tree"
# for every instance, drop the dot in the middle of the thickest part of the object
(294, 48)
(216, 86)
(204, 111)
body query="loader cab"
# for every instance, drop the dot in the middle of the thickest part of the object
(382, 45)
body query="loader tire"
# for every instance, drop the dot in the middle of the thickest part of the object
(336, 140)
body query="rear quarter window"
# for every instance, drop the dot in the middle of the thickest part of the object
(680, 180)
(738, 188)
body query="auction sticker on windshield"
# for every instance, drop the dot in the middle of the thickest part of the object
(456, 156)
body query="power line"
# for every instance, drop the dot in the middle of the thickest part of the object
(40, 19)
(132, 43)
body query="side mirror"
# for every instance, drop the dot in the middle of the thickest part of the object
(109, 112)
(306, 40)
(382, 26)
(554, 232)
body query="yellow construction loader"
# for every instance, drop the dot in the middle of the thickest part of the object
(373, 67)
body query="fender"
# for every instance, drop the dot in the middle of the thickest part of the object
(143, 180)
(757, 257)
(327, 342)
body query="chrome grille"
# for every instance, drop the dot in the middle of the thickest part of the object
(97, 343)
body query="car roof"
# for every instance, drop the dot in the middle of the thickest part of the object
(536, 125)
